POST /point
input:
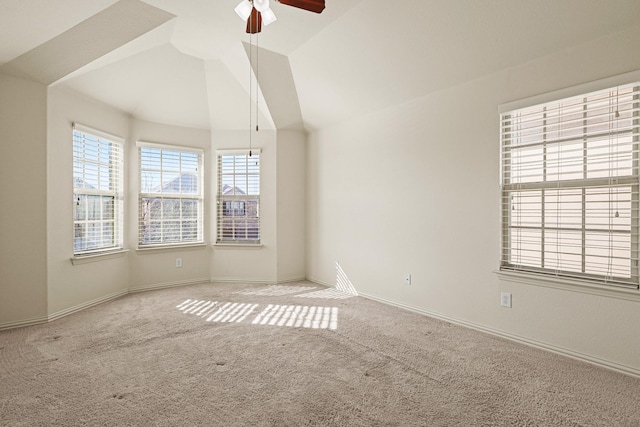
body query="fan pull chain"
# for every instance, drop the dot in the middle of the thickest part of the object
(250, 86)
(257, 79)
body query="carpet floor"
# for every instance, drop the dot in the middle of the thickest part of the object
(290, 355)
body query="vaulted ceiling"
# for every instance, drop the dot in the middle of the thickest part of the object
(185, 62)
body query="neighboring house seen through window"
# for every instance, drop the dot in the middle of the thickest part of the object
(97, 191)
(238, 197)
(171, 195)
(570, 189)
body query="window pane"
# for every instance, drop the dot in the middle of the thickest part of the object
(171, 209)
(526, 247)
(238, 215)
(564, 161)
(189, 162)
(563, 250)
(171, 230)
(80, 208)
(171, 183)
(609, 208)
(526, 209)
(563, 208)
(526, 164)
(150, 182)
(189, 209)
(170, 160)
(253, 185)
(94, 207)
(189, 230)
(149, 159)
(107, 208)
(94, 235)
(107, 233)
(171, 174)
(80, 239)
(188, 183)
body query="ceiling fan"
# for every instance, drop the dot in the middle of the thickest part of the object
(258, 12)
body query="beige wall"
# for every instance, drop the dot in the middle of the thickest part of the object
(256, 264)
(149, 268)
(281, 257)
(71, 285)
(291, 188)
(23, 197)
(415, 189)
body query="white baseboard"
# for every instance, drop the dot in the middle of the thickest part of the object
(101, 300)
(292, 279)
(321, 282)
(22, 323)
(221, 280)
(169, 285)
(85, 305)
(628, 370)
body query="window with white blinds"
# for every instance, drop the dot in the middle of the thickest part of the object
(170, 202)
(570, 187)
(238, 197)
(97, 191)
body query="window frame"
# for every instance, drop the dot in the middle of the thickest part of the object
(179, 197)
(223, 200)
(115, 167)
(631, 181)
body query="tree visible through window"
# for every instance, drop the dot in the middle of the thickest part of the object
(570, 194)
(97, 191)
(170, 200)
(238, 197)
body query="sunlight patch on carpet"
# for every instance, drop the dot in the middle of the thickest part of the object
(327, 294)
(232, 312)
(298, 316)
(295, 316)
(217, 312)
(276, 290)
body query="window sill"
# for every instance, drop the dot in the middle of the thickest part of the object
(572, 285)
(238, 245)
(167, 248)
(95, 257)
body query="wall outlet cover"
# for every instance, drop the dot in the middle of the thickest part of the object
(505, 299)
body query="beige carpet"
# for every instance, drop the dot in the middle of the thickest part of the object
(289, 355)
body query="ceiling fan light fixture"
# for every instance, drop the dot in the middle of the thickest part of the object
(261, 5)
(268, 17)
(244, 9)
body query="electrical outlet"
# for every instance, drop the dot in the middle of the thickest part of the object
(407, 279)
(505, 299)
(178, 262)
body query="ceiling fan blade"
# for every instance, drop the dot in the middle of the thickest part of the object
(316, 6)
(254, 22)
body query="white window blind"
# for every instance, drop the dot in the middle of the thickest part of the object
(171, 195)
(238, 197)
(97, 191)
(570, 187)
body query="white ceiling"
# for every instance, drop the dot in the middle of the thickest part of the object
(183, 62)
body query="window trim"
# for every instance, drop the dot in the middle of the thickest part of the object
(199, 197)
(118, 194)
(246, 243)
(544, 277)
